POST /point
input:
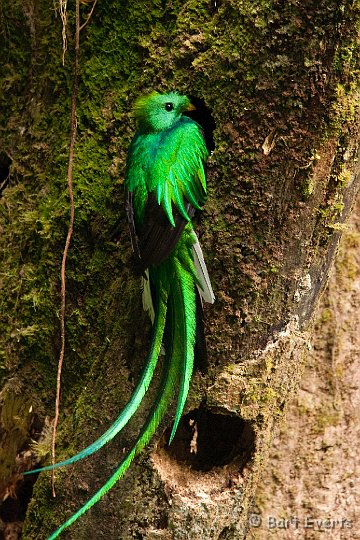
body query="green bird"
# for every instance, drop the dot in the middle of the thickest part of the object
(165, 184)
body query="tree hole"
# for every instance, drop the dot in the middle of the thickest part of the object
(205, 440)
(13, 508)
(15, 488)
(202, 115)
(5, 164)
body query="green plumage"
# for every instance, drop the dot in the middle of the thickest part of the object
(165, 183)
(170, 163)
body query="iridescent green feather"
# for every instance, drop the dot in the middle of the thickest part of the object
(168, 166)
(170, 378)
(185, 306)
(136, 398)
(180, 292)
(166, 157)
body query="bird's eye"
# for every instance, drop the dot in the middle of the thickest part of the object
(169, 107)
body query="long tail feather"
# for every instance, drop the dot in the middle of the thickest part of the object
(205, 287)
(137, 396)
(147, 297)
(175, 285)
(183, 291)
(164, 396)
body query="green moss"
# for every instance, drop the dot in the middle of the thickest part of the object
(326, 315)
(15, 420)
(327, 417)
(346, 263)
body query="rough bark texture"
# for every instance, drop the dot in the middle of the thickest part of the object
(311, 483)
(280, 79)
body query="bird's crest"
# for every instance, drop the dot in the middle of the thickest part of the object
(157, 112)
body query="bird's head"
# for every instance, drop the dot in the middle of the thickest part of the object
(157, 112)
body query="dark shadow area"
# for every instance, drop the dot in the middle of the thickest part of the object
(13, 508)
(202, 115)
(205, 440)
(5, 164)
(227, 533)
(16, 489)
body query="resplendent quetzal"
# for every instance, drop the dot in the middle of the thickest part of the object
(165, 184)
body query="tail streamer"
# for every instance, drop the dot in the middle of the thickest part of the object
(165, 185)
(136, 398)
(156, 414)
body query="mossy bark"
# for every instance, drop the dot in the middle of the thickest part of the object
(280, 79)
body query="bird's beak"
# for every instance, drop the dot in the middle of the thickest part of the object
(190, 107)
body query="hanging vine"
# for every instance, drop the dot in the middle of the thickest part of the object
(73, 129)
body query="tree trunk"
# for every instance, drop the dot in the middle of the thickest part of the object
(311, 483)
(280, 81)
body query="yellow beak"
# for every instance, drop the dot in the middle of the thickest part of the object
(191, 107)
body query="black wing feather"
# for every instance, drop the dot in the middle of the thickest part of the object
(200, 356)
(131, 221)
(157, 238)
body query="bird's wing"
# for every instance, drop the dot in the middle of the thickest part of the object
(157, 237)
(169, 187)
(177, 175)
